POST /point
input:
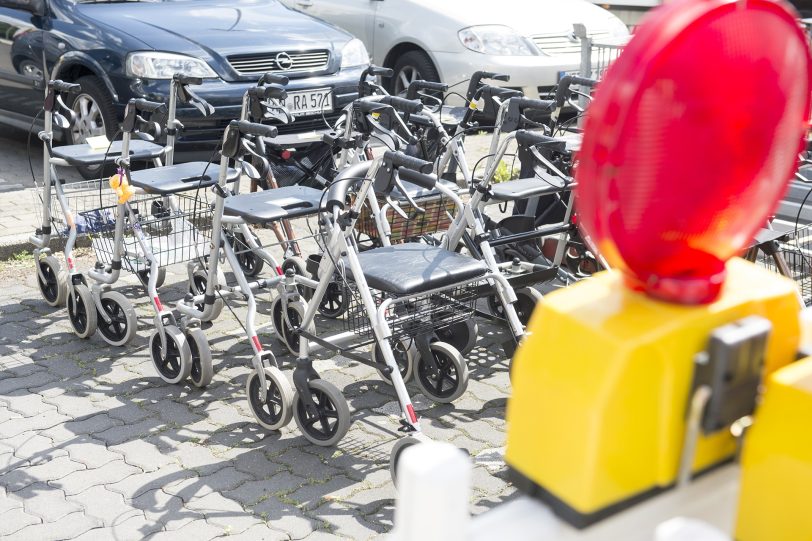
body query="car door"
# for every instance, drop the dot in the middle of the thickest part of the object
(21, 74)
(355, 16)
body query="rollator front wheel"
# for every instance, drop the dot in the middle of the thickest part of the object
(277, 409)
(197, 286)
(462, 335)
(123, 322)
(405, 352)
(54, 289)
(176, 364)
(449, 380)
(283, 329)
(397, 453)
(82, 311)
(143, 277)
(250, 263)
(330, 422)
(202, 369)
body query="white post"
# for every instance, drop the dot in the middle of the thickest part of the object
(434, 486)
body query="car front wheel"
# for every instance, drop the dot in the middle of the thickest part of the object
(95, 116)
(412, 66)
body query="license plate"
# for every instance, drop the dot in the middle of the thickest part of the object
(310, 102)
(562, 74)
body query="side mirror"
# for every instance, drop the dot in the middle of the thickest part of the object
(37, 7)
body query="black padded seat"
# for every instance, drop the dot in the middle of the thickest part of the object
(525, 188)
(179, 178)
(84, 155)
(277, 204)
(412, 268)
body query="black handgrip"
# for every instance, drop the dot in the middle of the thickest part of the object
(146, 106)
(563, 92)
(273, 79)
(420, 179)
(187, 80)
(477, 77)
(370, 106)
(529, 103)
(417, 86)
(530, 138)
(272, 91)
(402, 104)
(378, 70)
(62, 86)
(398, 159)
(252, 128)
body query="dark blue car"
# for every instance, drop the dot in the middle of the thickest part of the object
(119, 50)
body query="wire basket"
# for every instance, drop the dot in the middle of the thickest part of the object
(436, 218)
(304, 165)
(176, 228)
(796, 250)
(409, 317)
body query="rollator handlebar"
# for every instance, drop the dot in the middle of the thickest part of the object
(529, 138)
(563, 93)
(272, 91)
(376, 71)
(524, 104)
(402, 104)
(273, 79)
(417, 86)
(398, 159)
(62, 86)
(187, 80)
(420, 179)
(252, 128)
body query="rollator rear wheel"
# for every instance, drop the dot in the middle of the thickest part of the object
(299, 269)
(449, 381)
(202, 370)
(527, 299)
(54, 289)
(143, 277)
(82, 311)
(405, 353)
(277, 410)
(462, 335)
(250, 263)
(284, 331)
(123, 322)
(177, 365)
(332, 419)
(197, 286)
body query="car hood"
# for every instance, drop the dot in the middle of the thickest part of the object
(215, 29)
(526, 17)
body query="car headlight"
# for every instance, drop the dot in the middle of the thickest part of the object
(155, 65)
(354, 54)
(617, 28)
(495, 40)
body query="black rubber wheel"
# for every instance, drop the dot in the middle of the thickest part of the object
(412, 66)
(277, 409)
(178, 362)
(527, 299)
(462, 335)
(397, 452)
(284, 331)
(250, 263)
(449, 381)
(202, 369)
(332, 418)
(54, 289)
(405, 352)
(96, 115)
(123, 321)
(143, 277)
(82, 311)
(336, 300)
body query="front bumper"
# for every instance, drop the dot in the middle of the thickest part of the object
(203, 134)
(532, 75)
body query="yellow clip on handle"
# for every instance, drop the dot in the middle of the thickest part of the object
(122, 188)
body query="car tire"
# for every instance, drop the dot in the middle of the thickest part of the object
(411, 66)
(96, 115)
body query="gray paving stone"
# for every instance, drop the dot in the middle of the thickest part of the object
(199, 530)
(8, 502)
(112, 472)
(286, 517)
(252, 492)
(46, 502)
(224, 512)
(142, 453)
(41, 421)
(168, 510)
(68, 527)
(106, 506)
(14, 520)
(258, 532)
(92, 424)
(306, 465)
(90, 452)
(221, 481)
(27, 404)
(132, 528)
(134, 485)
(129, 432)
(192, 456)
(313, 494)
(48, 471)
(31, 448)
(346, 522)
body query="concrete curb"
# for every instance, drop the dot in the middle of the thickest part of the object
(15, 244)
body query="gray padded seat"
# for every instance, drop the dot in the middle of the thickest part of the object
(83, 155)
(411, 268)
(418, 192)
(525, 188)
(179, 178)
(270, 205)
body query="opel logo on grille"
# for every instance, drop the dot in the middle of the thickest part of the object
(284, 61)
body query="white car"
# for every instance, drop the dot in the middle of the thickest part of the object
(448, 40)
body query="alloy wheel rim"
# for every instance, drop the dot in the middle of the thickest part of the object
(89, 121)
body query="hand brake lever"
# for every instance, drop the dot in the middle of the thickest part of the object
(405, 194)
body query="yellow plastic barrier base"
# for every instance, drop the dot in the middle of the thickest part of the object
(775, 502)
(601, 387)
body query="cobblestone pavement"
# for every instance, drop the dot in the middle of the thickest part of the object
(93, 445)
